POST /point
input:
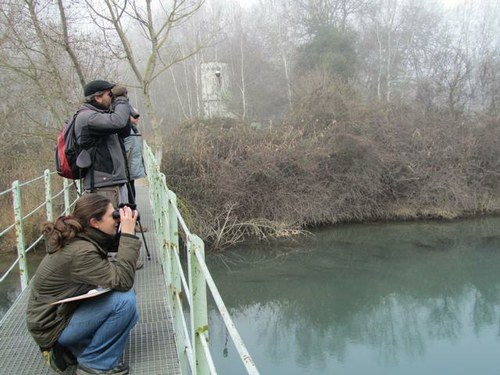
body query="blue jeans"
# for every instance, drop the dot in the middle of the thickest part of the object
(98, 331)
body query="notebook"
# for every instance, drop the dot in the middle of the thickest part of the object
(91, 293)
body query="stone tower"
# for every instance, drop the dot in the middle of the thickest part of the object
(214, 89)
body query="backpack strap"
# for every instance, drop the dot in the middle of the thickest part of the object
(91, 170)
(81, 109)
(93, 154)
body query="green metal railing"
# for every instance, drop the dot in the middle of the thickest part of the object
(187, 297)
(19, 218)
(187, 293)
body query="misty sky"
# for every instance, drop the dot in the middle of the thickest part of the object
(452, 2)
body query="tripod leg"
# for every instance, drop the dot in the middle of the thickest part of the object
(133, 204)
(144, 239)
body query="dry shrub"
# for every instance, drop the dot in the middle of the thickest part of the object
(26, 154)
(433, 168)
(487, 153)
(339, 158)
(322, 100)
(32, 196)
(239, 181)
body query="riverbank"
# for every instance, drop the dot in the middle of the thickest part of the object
(237, 182)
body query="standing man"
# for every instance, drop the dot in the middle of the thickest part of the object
(133, 147)
(100, 132)
(136, 168)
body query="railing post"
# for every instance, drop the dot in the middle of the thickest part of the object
(173, 236)
(199, 317)
(175, 277)
(156, 201)
(48, 196)
(165, 217)
(18, 216)
(67, 203)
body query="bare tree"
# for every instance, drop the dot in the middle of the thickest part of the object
(316, 14)
(37, 40)
(277, 34)
(451, 71)
(157, 21)
(25, 50)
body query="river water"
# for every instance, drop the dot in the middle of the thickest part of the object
(405, 298)
(11, 286)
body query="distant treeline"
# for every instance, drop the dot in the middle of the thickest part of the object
(369, 163)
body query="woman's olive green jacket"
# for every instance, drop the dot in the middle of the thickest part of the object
(78, 267)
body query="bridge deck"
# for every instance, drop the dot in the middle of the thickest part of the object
(151, 349)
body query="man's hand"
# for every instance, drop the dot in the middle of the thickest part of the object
(119, 91)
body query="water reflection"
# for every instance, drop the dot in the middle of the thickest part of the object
(11, 286)
(394, 298)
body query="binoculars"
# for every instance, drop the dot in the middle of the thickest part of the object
(116, 213)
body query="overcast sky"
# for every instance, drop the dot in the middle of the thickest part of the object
(449, 3)
(452, 2)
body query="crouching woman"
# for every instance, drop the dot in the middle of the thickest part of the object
(92, 332)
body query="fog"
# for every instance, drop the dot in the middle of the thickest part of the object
(275, 53)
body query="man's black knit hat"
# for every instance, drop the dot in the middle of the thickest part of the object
(95, 86)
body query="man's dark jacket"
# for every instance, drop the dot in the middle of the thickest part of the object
(100, 131)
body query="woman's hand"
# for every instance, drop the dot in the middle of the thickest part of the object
(128, 219)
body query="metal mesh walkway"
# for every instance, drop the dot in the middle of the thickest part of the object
(151, 348)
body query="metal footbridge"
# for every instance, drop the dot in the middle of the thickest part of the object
(172, 336)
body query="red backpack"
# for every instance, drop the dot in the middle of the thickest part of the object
(67, 152)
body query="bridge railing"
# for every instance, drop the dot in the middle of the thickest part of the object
(18, 207)
(187, 290)
(187, 293)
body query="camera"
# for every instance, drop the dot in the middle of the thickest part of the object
(116, 212)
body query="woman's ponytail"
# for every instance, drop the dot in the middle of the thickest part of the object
(60, 232)
(65, 228)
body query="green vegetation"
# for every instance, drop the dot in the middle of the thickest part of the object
(330, 51)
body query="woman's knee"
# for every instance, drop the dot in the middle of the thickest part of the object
(125, 302)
